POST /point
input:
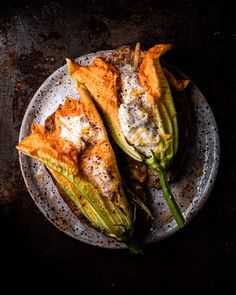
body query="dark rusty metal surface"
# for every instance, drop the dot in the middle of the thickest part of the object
(35, 38)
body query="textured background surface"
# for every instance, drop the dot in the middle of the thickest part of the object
(34, 41)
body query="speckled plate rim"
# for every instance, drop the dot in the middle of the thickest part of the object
(193, 208)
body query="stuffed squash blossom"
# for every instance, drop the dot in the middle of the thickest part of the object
(134, 97)
(77, 152)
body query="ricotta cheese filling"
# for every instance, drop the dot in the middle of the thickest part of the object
(135, 117)
(79, 130)
(99, 175)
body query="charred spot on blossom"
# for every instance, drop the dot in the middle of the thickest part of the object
(50, 124)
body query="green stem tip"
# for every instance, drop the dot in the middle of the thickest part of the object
(134, 248)
(170, 199)
(154, 163)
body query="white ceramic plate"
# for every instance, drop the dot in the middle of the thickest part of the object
(191, 188)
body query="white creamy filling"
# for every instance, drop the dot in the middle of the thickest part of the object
(131, 89)
(136, 122)
(99, 173)
(78, 130)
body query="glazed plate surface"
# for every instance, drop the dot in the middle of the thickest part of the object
(191, 188)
